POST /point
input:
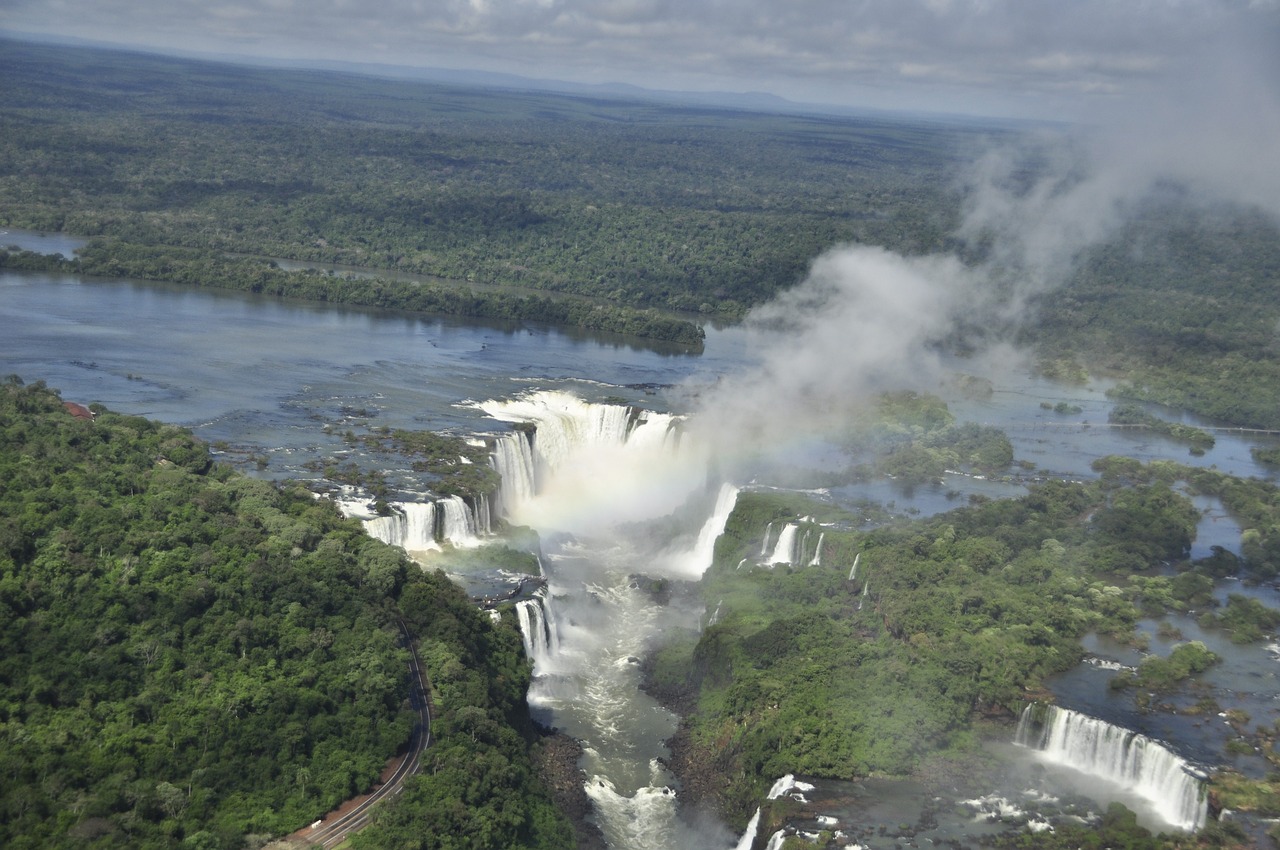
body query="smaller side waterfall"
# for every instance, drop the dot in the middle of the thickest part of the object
(816, 560)
(764, 545)
(423, 526)
(513, 459)
(412, 526)
(749, 837)
(1119, 755)
(787, 786)
(456, 522)
(784, 551)
(538, 630)
(483, 515)
(793, 547)
(704, 549)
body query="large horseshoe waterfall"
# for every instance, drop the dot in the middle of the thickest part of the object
(587, 477)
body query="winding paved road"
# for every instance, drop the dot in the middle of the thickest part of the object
(330, 833)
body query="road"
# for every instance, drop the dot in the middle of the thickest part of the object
(337, 826)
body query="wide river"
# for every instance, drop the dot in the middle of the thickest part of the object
(283, 380)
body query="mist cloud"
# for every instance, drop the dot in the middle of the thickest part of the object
(867, 319)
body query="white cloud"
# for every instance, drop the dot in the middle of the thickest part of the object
(961, 54)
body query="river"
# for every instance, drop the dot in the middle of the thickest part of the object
(283, 380)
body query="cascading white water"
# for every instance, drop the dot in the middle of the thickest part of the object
(538, 631)
(512, 458)
(784, 551)
(704, 548)
(1133, 761)
(587, 478)
(792, 547)
(423, 526)
(483, 516)
(764, 545)
(457, 525)
(411, 526)
(787, 786)
(590, 466)
(816, 560)
(749, 836)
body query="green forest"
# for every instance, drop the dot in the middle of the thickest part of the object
(944, 630)
(193, 658)
(610, 214)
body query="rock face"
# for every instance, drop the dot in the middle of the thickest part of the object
(701, 779)
(701, 774)
(558, 766)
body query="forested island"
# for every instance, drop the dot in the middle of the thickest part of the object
(193, 657)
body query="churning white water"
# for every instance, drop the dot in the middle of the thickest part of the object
(587, 476)
(424, 526)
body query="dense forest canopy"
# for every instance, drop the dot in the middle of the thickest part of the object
(884, 656)
(189, 657)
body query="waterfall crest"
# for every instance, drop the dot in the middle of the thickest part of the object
(577, 466)
(1119, 755)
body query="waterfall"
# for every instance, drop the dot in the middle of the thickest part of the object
(1118, 755)
(704, 550)
(590, 479)
(586, 465)
(537, 630)
(787, 786)
(764, 545)
(456, 523)
(749, 837)
(791, 546)
(853, 571)
(412, 526)
(816, 560)
(513, 460)
(423, 526)
(483, 515)
(784, 552)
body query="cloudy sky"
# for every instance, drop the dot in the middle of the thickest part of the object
(1038, 58)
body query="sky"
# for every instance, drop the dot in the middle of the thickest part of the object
(1055, 59)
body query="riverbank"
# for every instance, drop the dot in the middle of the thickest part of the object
(190, 267)
(556, 761)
